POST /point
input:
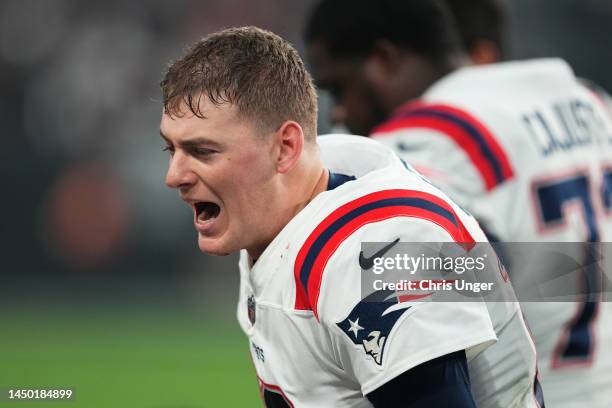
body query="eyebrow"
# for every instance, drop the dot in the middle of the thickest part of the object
(196, 141)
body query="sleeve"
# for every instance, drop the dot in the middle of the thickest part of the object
(441, 382)
(378, 335)
(459, 155)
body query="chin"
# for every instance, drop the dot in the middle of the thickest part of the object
(214, 246)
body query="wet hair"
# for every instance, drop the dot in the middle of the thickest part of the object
(255, 70)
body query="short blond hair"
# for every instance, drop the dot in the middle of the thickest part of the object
(254, 69)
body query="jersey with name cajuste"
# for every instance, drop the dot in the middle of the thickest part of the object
(526, 148)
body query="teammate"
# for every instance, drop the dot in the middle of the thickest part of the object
(239, 122)
(524, 146)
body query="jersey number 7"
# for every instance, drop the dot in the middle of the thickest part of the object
(553, 197)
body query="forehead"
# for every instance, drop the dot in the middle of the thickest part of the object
(211, 119)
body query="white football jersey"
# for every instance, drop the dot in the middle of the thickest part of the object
(526, 148)
(316, 342)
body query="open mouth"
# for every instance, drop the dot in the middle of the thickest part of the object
(206, 210)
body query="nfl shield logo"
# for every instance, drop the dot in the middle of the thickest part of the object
(251, 308)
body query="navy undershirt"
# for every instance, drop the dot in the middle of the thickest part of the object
(337, 179)
(443, 382)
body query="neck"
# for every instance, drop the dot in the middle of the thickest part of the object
(310, 182)
(318, 178)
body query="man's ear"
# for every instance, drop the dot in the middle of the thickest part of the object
(383, 62)
(290, 143)
(485, 52)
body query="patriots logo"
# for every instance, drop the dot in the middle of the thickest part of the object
(370, 322)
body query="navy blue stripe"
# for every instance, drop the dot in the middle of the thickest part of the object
(477, 136)
(326, 235)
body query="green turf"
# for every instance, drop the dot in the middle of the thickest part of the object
(128, 359)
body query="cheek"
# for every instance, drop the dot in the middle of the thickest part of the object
(357, 102)
(350, 100)
(253, 171)
(364, 109)
(357, 111)
(247, 183)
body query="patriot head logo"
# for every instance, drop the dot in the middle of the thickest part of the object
(371, 321)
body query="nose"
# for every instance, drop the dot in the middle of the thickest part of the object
(179, 174)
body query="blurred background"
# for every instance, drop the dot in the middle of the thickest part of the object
(102, 287)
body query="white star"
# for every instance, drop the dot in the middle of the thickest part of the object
(355, 327)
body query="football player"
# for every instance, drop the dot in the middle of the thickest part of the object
(239, 122)
(524, 146)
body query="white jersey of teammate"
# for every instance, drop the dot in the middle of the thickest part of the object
(525, 147)
(315, 342)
